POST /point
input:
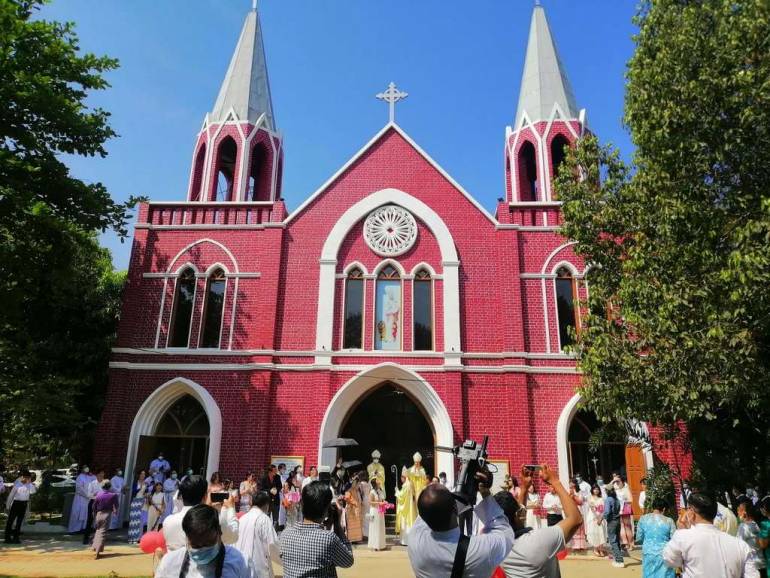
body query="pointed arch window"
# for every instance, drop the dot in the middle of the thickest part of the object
(422, 311)
(213, 308)
(559, 146)
(197, 180)
(256, 183)
(387, 310)
(228, 152)
(353, 329)
(566, 292)
(181, 314)
(528, 185)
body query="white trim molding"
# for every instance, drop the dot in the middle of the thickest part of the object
(415, 386)
(328, 266)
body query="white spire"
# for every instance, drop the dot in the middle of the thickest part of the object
(246, 88)
(544, 81)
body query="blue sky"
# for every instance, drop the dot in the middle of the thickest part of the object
(460, 62)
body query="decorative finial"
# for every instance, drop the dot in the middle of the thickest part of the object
(392, 96)
(537, 2)
(254, 5)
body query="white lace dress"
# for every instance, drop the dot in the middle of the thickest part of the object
(376, 522)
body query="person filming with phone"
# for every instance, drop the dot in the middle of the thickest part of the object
(317, 545)
(436, 548)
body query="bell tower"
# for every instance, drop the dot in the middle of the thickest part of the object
(547, 121)
(238, 155)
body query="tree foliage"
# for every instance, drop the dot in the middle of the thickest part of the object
(58, 292)
(679, 329)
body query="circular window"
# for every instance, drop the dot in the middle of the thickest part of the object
(390, 231)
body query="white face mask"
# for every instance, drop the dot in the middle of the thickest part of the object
(376, 460)
(120, 473)
(86, 470)
(173, 476)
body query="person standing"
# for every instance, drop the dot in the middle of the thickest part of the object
(79, 511)
(612, 517)
(17, 505)
(354, 512)
(248, 489)
(290, 502)
(118, 485)
(204, 554)
(105, 508)
(94, 487)
(623, 494)
(257, 540)
(376, 517)
(156, 507)
(309, 549)
(596, 531)
(704, 551)
(364, 487)
(312, 477)
(748, 531)
(137, 508)
(532, 505)
(552, 506)
(170, 487)
(271, 483)
(406, 511)
(653, 532)
(159, 468)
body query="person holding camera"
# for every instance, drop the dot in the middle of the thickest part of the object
(534, 553)
(317, 545)
(204, 553)
(436, 547)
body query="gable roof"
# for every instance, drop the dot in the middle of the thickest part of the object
(364, 149)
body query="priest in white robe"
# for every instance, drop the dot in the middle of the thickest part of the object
(159, 468)
(118, 485)
(79, 512)
(257, 540)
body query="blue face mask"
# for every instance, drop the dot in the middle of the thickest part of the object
(203, 556)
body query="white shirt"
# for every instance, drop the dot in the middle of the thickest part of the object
(642, 499)
(552, 504)
(171, 564)
(175, 536)
(258, 543)
(534, 554)
(705, 552)
(20, 493)
(309, 479)
(93, 488)
(432, 553)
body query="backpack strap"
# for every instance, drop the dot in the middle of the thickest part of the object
(458, 567)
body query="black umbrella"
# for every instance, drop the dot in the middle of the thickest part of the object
(352, 464)
(340, 443)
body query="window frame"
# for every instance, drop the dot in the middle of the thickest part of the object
(173, 316)
(572, 274)
(351, 269)
(432, 309)
(204, 307)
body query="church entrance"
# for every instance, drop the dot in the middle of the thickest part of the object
(182, 434)
(389, 420)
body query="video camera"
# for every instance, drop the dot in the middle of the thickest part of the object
(473, 459)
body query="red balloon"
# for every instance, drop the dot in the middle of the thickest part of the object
(498, 573)
(240, 515)
(562, 555)
(152, 541)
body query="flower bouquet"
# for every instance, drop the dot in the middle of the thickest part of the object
(384, 507)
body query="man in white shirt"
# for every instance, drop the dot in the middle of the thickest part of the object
(434, 537)
(93, 488)
(553, 508)
(192, 491)
(702, 551)
(534, 552)
(18, 500)
(257, 540)
(204, 554)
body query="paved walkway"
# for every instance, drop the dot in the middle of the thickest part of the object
(66, 556)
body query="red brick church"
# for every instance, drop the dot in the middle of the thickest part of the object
(390, 306)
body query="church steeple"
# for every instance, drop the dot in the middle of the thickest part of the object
(544, 82)
(547, 121)
(246, 88)
(238, 154)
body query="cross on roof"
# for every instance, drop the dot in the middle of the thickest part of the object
(392, 96)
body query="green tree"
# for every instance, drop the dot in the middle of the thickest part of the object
(58, 292)
(679, 330)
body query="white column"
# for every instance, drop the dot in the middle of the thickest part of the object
(452, 349)
(325, 319)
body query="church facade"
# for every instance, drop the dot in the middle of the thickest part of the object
(390, 306)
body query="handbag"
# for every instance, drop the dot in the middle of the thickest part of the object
(626, 511)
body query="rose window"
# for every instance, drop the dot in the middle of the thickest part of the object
(390, 231)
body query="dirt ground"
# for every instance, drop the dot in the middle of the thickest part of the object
(65, 556)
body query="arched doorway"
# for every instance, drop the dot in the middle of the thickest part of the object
(389, 420)
(182, 434)
(595, 448)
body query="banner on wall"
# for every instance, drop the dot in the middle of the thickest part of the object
(387, 319)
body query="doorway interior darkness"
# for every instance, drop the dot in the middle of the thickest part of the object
(182, 435)
(608, 457)
(389, 420)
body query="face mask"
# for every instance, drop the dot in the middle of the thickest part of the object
(189, 472)
(203, 556)
(173, 476)
(86, 470)
(120, 473)
(376, 460)
(160, 457)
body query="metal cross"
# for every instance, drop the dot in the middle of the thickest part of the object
(392, 96)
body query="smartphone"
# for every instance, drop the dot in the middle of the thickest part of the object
(533, 467)
(219, 497)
